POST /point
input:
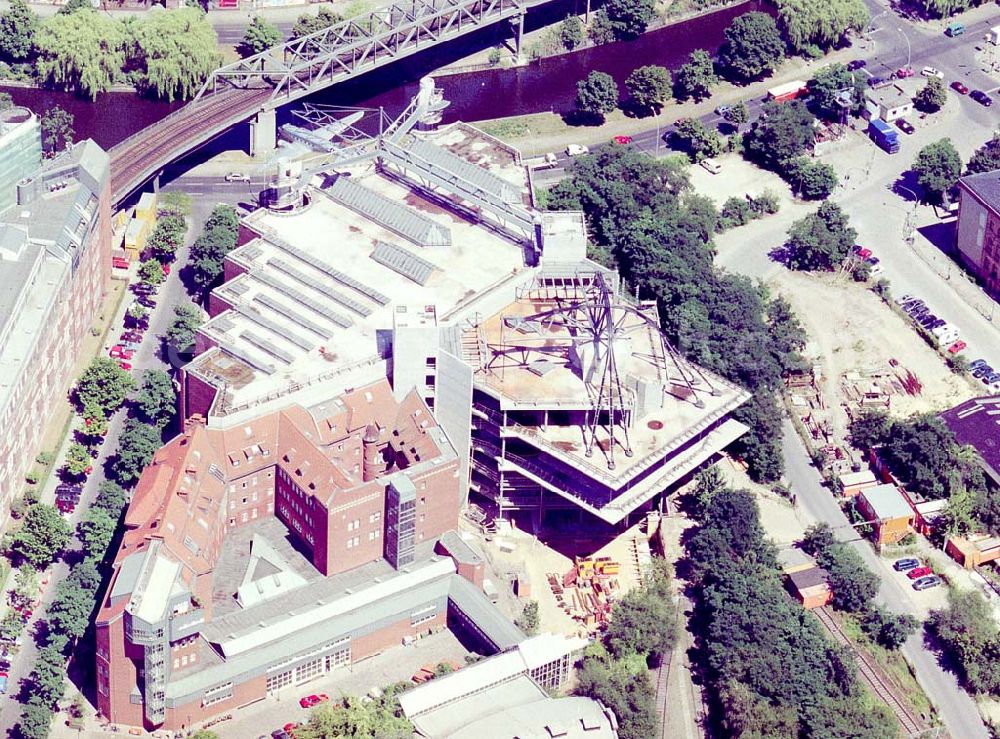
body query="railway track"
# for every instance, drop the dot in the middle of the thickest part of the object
(662, 683)
(872, 676)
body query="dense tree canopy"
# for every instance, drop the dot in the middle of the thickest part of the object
(82, 51)
(783, 132)
(986, 158)
(937, 167)
(931, 97)
(137, 444)
(218, 238)
(810, 179)
(698, 140)
(821, 240)
(260, 36)
(648, 86)
(769, 668)
(18, 26)
(968, 631)
(827, 85)
(597, 95)
(753, 46)
(174, 50)
(308, 23)
(42, 536)
(156, 400)
(696, 77)
(821, 23)
(629, 18)
(105, 384)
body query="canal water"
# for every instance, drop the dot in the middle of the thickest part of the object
(545, 85)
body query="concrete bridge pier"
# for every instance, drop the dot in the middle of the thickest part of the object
(517, 25)
(263, 132)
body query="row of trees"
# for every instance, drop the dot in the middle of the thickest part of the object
(769, 669)
(645, 220)
(165, 53)
(642, 630)
(967, 630)
(217, 239)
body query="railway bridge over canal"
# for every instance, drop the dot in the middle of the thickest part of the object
(253, 88)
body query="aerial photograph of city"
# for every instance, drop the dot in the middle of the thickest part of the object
(500, 369)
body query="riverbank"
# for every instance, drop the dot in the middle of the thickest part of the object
(536, 134)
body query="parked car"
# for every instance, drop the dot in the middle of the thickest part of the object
(976, 363)
(280, 734)
(959, 88)
(876, 81)
(925, 583)
(932, 72)
(622, 140)
(65, 507)
(130, 336)
(936, 324)
(904, 299)
(125, 366)
(990, 378)
(861, 252)
(313, 700)
(913, 311)
(981, 97)
(957, 347)
(905, 126)
(856, 64)
(120, 352)
(723, 109)
(711, 165)
(927, 320)
(166, 267)
(906, 564)
(982, 370)
(904, 72)
(576, 150)
(917, 572)
(237, 177)
(3, 683)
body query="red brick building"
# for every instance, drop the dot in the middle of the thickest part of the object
(55, 261)
(259, 556)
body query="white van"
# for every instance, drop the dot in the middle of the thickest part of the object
(711, 165)
(946, 334)
(576, 150)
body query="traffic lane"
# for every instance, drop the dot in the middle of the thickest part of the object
(232, 31)
(956, 708)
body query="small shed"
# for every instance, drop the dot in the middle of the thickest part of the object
(889, 103)
(889, 510)
(810, 587)
(854, 482)
(978, 549)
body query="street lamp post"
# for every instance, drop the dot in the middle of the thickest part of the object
(907, 39)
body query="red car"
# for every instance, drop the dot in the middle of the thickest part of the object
(918, 572)
(119, 352)
(862, 253)
(125, 366)
(313, 700)
(622, 140)
(290, 728)
(958, 346)
(959, 88)
(904, 72)
(166, 269)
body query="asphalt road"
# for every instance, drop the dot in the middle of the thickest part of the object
(957, 709)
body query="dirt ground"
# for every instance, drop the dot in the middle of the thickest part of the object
(738, 178)
(851, 329)
(533, 557)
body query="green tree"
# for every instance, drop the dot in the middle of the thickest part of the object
(986, 158)
(356, 718)
(695, 78)
(641, 623)
(69, 613)
(96, 532)
(71, 6)
(218, 238)
(812, 180)
(260, 36)
(42, 536)
(167, 236)
(104, 384)
(26, 583)
(137, 312)
(821, 240)
(622, 686)
(871, 428)
(57, 129)
(111, 498)
(136, 447)
(648, 87)
(571, 32)
(6, 101)
(931, 97)
(78, 459)
(854, 586)
(528, 620)
(697, 140)
(783, 132)
(597, 95)
(968, 632)
(173, 51)
(944, 8)
(151, 272)
(821, 23)
(157, 398)
(629, 18)
(35, 720)
(82, 51)
(753, 46)
(181, 332)
(18, 25)
(937, 167)
(95, 420)
(735, 212)
(205, 733)
(828, 85)
(737, 115)
(307, 23)
(890, 630)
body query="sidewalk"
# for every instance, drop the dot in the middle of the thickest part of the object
(227, 17)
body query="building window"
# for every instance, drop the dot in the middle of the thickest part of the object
(279, 681)
(309, 670)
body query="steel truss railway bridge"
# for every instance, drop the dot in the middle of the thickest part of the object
(253, 88)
